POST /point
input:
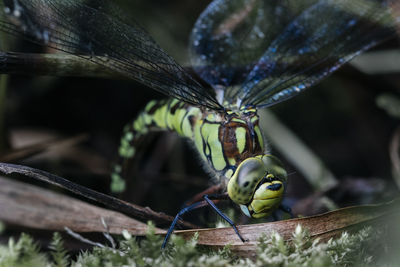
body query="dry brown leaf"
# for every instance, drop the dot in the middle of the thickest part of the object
(323, 226)
(144, 213)
(35, 207)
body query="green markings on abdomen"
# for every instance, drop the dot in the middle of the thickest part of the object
(157, 116)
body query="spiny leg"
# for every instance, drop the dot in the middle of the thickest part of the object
(226, 218)
(177, 217)
(286, 209)
(206, 201)
(283, 208)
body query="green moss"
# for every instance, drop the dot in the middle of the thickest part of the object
(58, 254)
(360, 249)
(22, 253)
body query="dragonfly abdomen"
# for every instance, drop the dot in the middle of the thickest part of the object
(158, 115)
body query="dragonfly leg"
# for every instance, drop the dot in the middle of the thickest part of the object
(275, 216)
(286, 209)
(177, 217)
(206, 201)
(226, 218)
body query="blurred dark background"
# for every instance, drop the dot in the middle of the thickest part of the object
(338, 119)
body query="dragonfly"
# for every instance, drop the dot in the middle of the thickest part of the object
(252, 54)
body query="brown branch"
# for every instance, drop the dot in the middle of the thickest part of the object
(34, 207)
(144, 213)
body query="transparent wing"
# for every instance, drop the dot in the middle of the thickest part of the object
(276, 49)
(98, 31)
(230, 36)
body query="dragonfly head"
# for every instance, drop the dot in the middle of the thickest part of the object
(258, 185)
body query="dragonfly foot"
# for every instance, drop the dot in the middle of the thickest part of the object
(287, 209)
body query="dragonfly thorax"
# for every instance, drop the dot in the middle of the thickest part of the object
(225, 140)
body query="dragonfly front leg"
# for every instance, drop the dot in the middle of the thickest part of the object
(177, 217)
(207, 201)
(286, 209)
(226, 218)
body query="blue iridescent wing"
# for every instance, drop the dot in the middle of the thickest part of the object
(98, 31)
(272, 50)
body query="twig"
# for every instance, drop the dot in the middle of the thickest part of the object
(137, 211)
(107, 233)
(90, 242)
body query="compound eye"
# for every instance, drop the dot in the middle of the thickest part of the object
(242, 185)
(250, 171)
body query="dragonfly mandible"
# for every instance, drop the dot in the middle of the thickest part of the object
(252, 53)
